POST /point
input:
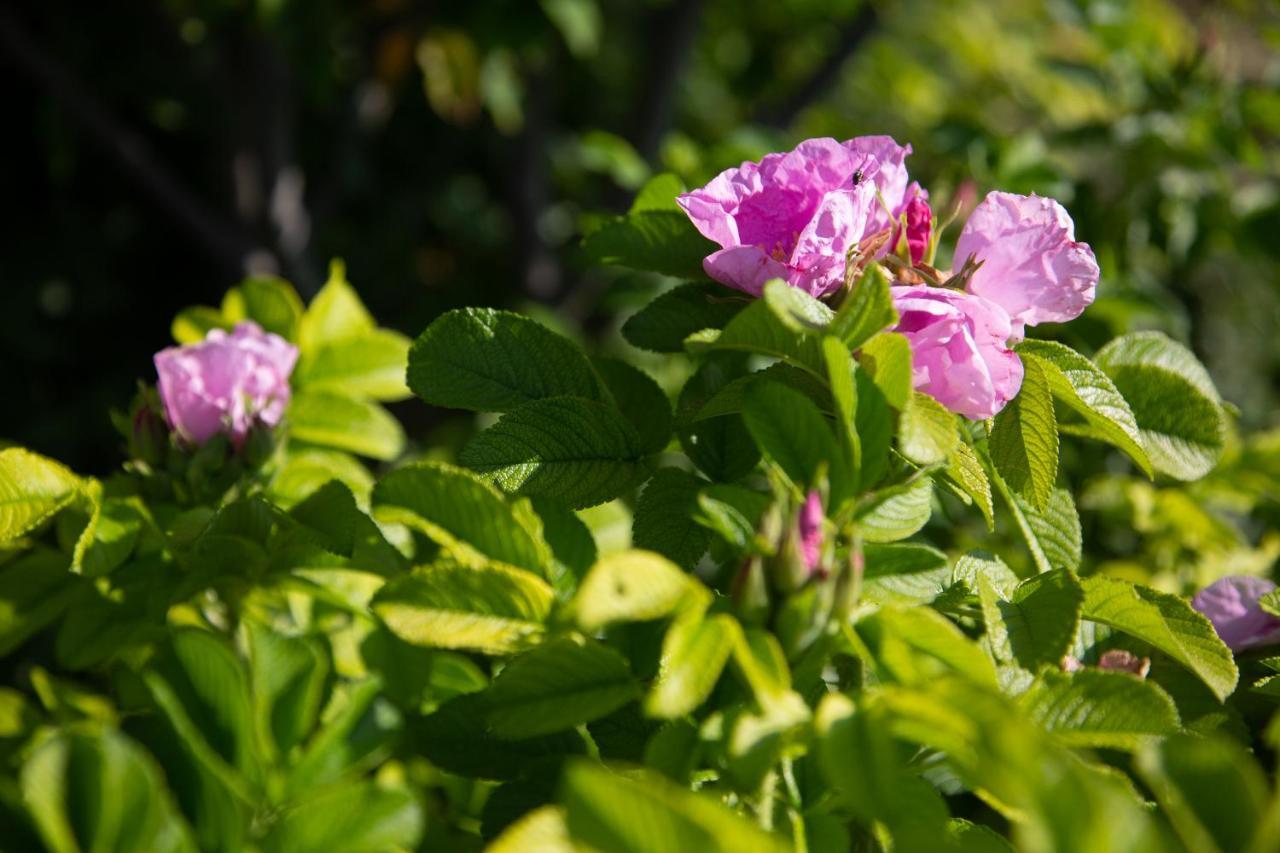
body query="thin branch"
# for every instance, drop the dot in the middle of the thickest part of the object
(853, 34)
(223, 241)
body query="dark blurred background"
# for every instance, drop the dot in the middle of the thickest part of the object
(450, 152)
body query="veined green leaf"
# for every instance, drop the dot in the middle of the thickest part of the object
(887, 360)
(1166, 622)
(1081, 386)
(493, 361)
(786, 324)
(640, 400)
(1024, 439)
(557, 686)
(904, 574)
(461, 511)
(866, 311)
(1177, 408)
(927, 433)
(335, 314)
(360, 815)
(568, 449)
(345, 423)
(791, 431)
(1053, 535)
(728, 400)
(661, 241)
(496, 610)
(694, 653)
(965, 476)
(897, 512)
(1036, 624)
(32, 489)
(1096, 708)
(663, 324)
(665, 521)
(658, 193)
(913, 645)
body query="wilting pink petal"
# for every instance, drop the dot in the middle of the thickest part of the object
(1032, 266)
(810, 523)
(959, 350)
(1231, 604)
(227, 383)
(793, 215)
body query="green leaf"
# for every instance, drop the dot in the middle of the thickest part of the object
(1177, 408)
(359, 815)
(1081, 386)
(1213, 792)
(785, 324)
(304, 471)
(927, 433)
(664, 519)
(904, 573)
(721, 447)
(729, 399)
(632, 586)
(663, 324)
(790, 431)
(897, 512)
(557, 686)
(345, 423)
(108, 537)
(542, 829)
(1096, 708)
(194, 323)
(914, 645)
(661, 241)
(371, 365)
(335, 314)
(965, 476)
(658, 193)
(866, 311)
(1024, 439)
(975, 567)
(1166, 622)
(694, 653)
(288, 677)
(874, 423)
(464, 514)
(575, 451)
(647, 814)
(495, 610)
(493, 361)
(573, 547)
(640, 400)
(1053, 535)
(270, 302)
(1035, 626)
(887, 360)
(32, 489)
(101, 792)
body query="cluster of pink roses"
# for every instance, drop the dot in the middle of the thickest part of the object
(796, 216)
(228, 383)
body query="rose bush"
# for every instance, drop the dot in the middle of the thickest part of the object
(822, 588)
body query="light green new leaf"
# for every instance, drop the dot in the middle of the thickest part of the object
(665, 521)
(866, 311)
(335, 314)
(648, 814)
(914, 645)
(557, 686)
(841, 370)
(1166, 622)
(1036, 624)
(194, 323)
(1024, 439)
(694, 653)
(887, 360)
(495, 609)
(493, 361)
(371, 365)
(663, 324)
(1177, 408)
(965, 477)
(897, 512)
(973, 568)
(904, 574)
(1053, 535)
(464, 514)
(633, 586)
(32, 489)
(574, 451)
(102, 792)
(658, 193)
(542, 829)
(1096, 708)
(357, 815)
(927, 433)
(1081, 386)
(345, 423)
(269, 301)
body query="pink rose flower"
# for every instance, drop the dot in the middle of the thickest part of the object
(1032, 266)
(890, 179)
(810, 524)
(227, 383)
(792, 216)
(1231, 604)
(959, 349)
